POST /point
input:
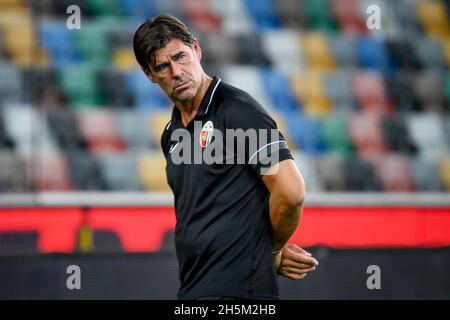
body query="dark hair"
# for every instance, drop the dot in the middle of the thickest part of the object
(155, 34)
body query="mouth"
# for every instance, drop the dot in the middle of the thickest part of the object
(183, 85)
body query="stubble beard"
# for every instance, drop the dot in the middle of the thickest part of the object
(185, 95)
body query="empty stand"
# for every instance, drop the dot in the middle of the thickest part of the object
(247, 78)
(425, 175)
(362, 110)
(334, 133)
(320, 15)
(85, 172)
(201, 15)
(137, 8)
(317, 52)
(394, 172)
(64, 127)
(434, 18)
(400, 87)
(99, 129)
(12, 173)
(219, 48)
(250, 50)
(372, 54)
(119, 171)
(396, 135)
(112, 86)
(366, 133)
(134, 128)
(80, 84)
(428, 91)
(310, 93)
(58, 42)
(426, 131)
(332, 172)
(235, 18)
(430, 53)
(5, 139)
(49, 172)
(276, 85)
(157, 123)
(263, 14)
(370, 92)
(337, 86)
(362, 176)
(10, 83)
(342, 49)
(152, 173)
(291, 13)
(348, 16)
(305, 164)
(146, 94)
(284, 50)
(28, 130)
(304, 133)
(403, 54)
(444, 172)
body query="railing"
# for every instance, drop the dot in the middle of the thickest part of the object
(92, 199)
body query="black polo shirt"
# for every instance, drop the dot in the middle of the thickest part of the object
(222, 235)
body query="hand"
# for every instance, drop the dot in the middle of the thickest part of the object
(294, 263)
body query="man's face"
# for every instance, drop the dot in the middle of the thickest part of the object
(177, 70)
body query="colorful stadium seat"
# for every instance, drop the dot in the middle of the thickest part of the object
(51, 173)
(310, 93)
(119, 171)
(151, 172)
(427, 132)
(319, 15)
(444, 172)
(317, 53)
(99, 129)
(332, 172)
(343, 95)
(333, 130)
(370, 92)
(434, 18)
(366, 133)
(262, 13)
(394, 172)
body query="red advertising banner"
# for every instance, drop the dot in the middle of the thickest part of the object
(143, 228)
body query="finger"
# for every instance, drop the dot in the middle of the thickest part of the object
(296, 270)
(300, 258)
(304, 259)
(295, 276)
(295, 264)
(298, 249)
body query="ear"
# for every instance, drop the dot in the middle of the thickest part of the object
(149, 75)
(197, 49)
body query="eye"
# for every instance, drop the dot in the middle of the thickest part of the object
(181, 56)
(162, 67)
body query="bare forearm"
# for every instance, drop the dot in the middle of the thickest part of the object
(287, 194)
(284, 218)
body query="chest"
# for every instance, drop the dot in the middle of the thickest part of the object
(198, 153)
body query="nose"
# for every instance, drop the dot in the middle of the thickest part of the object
(177, 72)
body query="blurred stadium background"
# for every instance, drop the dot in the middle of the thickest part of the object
(365, 112)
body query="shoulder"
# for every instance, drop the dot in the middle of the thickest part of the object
(165, 137)
(237, 102)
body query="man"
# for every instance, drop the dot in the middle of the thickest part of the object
(233, 219)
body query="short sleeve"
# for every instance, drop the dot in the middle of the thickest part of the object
(165, 140)
(257, 140)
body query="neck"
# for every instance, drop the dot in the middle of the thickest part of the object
(189, 108)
